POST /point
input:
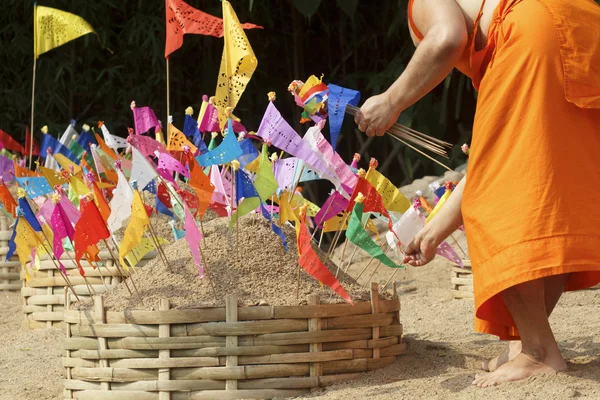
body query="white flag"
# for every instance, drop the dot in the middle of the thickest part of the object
(407, 227)
(120, 205)
(114, 142)
(142, 170)
(67, 136)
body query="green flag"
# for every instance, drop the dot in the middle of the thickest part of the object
(357, 235)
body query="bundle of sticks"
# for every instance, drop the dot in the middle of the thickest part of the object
(405, 134)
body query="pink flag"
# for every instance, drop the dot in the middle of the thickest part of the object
(342, 170)
(446, 251)
(46, 211)
(96, 158)
(193, 237)
(144, 119)
(62, 228)
(210, 120)
(220, 194)
(167, 164)
(146, 145)
(69, 209)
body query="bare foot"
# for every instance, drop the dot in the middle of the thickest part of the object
(521, 367)
(512, 350)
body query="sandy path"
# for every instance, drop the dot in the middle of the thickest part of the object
(442, 358)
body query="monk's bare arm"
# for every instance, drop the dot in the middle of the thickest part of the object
(445, 37)
(422, 250)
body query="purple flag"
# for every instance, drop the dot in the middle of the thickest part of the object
(275, 129)
(284, 170)
(144, 119)
(446, 251)
(7, 169)
(335, 204)
(210, 120)
(193, 237)
(71, 212)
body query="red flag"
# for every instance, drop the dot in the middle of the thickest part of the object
(10, 143)
(183, 18)
(200, 182)
(373, 201)
(89, 230)
(190, 200)
(7, 200)
(309, 260)
(163, 195)
(36, 146)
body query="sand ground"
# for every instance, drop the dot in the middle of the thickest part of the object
(442, 358)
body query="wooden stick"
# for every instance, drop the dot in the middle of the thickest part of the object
(207, 273)
(33, 95)
(337, 235)
(295, 186)
(100, 272)
(367, 266)
(391, 277)
(456, 243)
(321, 237)
(426, 155)
(376, 268)
(322, 222)
(155, 240)
(120, 268)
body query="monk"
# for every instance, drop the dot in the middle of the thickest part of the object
(529, 205)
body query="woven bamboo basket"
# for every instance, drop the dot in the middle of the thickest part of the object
(462, 281)
(44, 293)
(232, 352)
(9, 270)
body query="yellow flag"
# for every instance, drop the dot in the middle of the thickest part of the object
(53, 28)
(312, 210)
(136, 228)
(53, 177)
(25, 240)
(439, 205)
(237, 64)
(334, 224)
(285, 209)
(141, 250)
(67, 164)
(393, 200)
(78, 187)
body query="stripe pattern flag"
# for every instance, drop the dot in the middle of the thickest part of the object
(53, 28)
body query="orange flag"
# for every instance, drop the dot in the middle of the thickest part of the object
(7, 200)
(202, 187)
(101, 203)
(23, 172)
(102, 144)
(177, 140)
(89, 230)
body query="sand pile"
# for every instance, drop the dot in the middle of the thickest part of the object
(259, 272)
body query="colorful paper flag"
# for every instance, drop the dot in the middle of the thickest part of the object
(53, 28)
(337, 101)
(89, 230)
(393, 200)
(193, 236)
(237, 64)
(202, 186)
(227, 151)
(357, 235)
(120, 205)
(137, 226)
(144, 119)
(310, 262)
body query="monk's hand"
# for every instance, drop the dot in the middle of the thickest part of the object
(421, 250)
(376, 115)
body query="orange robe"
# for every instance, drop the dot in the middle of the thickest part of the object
(529, 205)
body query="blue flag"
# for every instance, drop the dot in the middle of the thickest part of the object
(439, 192)
(339, 97)
(178, 233)
(190, 126)
(85, 138)
(57, 148)
(161, 208)
(29, 214)
(151, 187)
(12, 246)
(250, 152)
(227, 151)
(199, 143)
(35, 186)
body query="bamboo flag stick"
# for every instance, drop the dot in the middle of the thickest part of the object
(322, 222)
(32, 130)
(391, 277)
(118, 264)
(321, 237)
(53, 258)
(456, 243)
(155, 240)
(206, 271)
(367, 266)
(99, 271)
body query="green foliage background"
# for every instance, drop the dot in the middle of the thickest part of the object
(358, 44)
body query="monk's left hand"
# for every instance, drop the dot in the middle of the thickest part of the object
(376, 115)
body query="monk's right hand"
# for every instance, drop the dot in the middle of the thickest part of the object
(421, 250)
